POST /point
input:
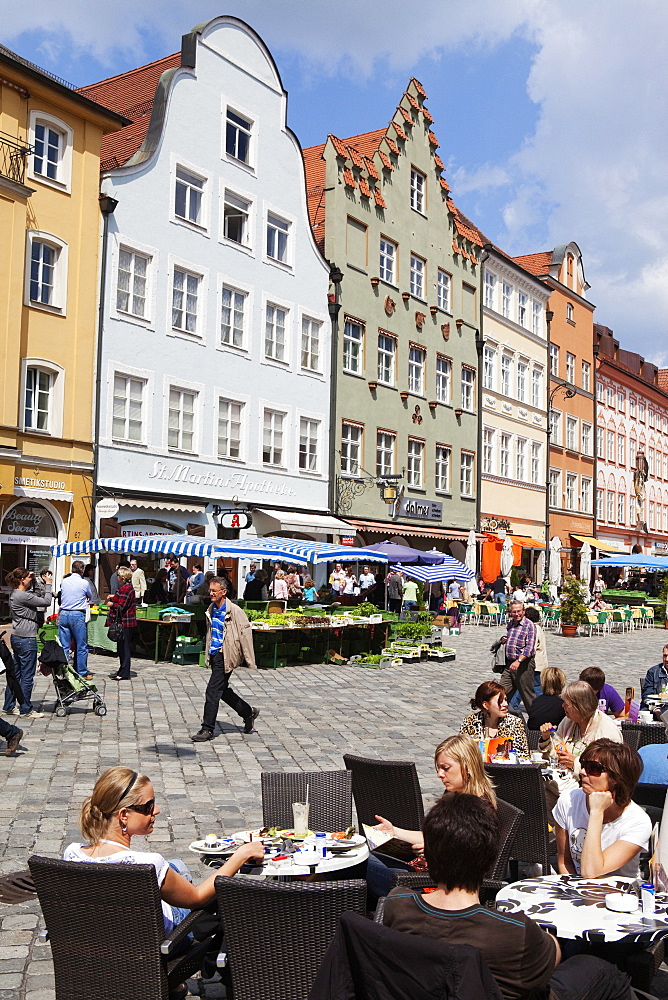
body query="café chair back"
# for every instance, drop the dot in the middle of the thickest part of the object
(650, 795)
(533, 739)
(522, 786)
(387, 788)
(329, 794)
(107, 932)
(648, 732)
(277, 933)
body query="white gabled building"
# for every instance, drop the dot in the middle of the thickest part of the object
(215, 350)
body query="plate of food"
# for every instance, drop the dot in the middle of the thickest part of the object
(291, 835)
(267, 834)
(336, 841)
(213, 845)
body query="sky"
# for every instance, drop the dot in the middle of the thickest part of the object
(551, 114)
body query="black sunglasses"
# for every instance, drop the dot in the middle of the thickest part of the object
(593, 767)
(145, 808)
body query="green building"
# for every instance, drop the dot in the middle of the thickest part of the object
(405, 383)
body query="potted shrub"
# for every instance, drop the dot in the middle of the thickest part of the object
(573, 607)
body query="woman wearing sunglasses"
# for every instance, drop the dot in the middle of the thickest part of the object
(598, 829)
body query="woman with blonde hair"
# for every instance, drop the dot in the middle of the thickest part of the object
(548, 707)
(279, 588)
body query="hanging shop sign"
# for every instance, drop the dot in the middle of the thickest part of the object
(494, 524)
(421, 510)
(106, 508)
(346, 539)
(236, 519)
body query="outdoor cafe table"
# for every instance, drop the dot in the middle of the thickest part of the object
(575, 908)
(331, 863)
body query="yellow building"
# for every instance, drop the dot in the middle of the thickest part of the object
(50, 139)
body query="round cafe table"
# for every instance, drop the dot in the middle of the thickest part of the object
(309, 865)
(572, 908)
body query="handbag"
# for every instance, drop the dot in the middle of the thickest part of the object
(498, 650)
(115, 630)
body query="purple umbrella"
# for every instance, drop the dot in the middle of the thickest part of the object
(405, 554)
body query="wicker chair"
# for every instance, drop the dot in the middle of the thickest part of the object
(533, 739)
(388, 788)
(631, 737)
(650, 795)
(649, 732)
(330, 798)
(107, 932)
(277, 933)
(523, 787)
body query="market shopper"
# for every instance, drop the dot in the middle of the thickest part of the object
(13, 736)
(520, 642)
(229, 641)
(75, 596)
(395, 591)
(26, 609)
(123, 612)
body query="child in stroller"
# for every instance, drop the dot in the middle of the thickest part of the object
(70, 687)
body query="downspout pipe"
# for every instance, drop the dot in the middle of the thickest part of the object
(334, 308)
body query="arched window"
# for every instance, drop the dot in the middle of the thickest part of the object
(43, 385)
(45, 272)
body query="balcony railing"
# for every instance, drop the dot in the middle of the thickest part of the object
(13, 158)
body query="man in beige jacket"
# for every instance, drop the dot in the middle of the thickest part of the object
(229, 641)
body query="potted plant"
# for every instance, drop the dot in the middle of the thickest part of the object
(573, 607)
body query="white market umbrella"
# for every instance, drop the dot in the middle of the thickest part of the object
(540, 566)
(554, 570)
(471, 556)
(507, 558)
(585, 565)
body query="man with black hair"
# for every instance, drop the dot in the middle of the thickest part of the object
(595, 678)
(461, 840)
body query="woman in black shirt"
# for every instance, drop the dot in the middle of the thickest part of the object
(548, 707)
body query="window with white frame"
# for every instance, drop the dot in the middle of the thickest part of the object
(351, 449)
(237, 136)
(387, 350)
(466, 474)
(230, 414)
(537, 388)
(132, 282)
(417, 276)
(309, 432)
(665, 466)
(621, 508)
(599, 392)
(522, 300)
(352, 346)
(414, 470)
(311, 344)
(650, 418)
(536, 452)
(278, 234)
(521, 460)
(651, 515)
(489, 368)
(128, 409)
(416, 359)
(506, 362)
(611, 506)
(571, 491)
(274, 332)
(442, 468)
(385, 442)
(554, 359)
(388, 260)
(536, 318)
(232, 316)
(272, 437)
(569, 313)
(38, 402)
(181, 419)
(621, 449)
(555, 488)
(490, 290)
(506, 298)
(586, 376)
(611, 397)
(632, 451)
(586, 438)
(443, 290)
(468, 389)
(621, 403)
(600, 442)
(522, 368)
(610, 452)
(571, 433)
(650, 461)
(599, 505)
(43, 260)
(555, 427)
(632, 406)
(570, 368)
(185, 294)
(188, 197)
(504, 455)
(418, 187)
(52, 140)
(585, 495)
(236, 214)
(443, 379)
(488, 450)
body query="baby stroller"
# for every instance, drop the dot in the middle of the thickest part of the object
(70, 687)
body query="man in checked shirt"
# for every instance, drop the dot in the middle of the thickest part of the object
(520, 643)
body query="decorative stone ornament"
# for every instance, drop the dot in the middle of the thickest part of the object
(419, 320)
(417, 417)
(390, 305)
(445, 330)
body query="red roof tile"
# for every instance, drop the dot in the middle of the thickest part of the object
(365, 190)
(420, 89)
(455, 246)
(473, 258)
(406, 117)
(465, 227)
(439, 162)
(371, 168)
(535, 263)
(380, 201)
(392, 144)
(355, 157)
(444, 184)
(339, 146)
(433, 141)
(386, 160)
(413, 103)
(348, 178)
(400, 132)
(662, 376)
(428, 115)
(315, 191)
(366, 142)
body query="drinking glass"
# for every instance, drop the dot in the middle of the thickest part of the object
(300, 818)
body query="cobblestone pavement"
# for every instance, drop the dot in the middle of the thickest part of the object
(310, 716)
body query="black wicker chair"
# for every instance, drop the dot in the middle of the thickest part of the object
(650, 795)
(387, 788)
(649, 732)
(107, 932)
(330, 798)
(523, 787)
(533, 739)
(277, 933)
(631, 737)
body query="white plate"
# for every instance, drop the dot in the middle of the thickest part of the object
(244, 836)
(355, 841)
(201, 847)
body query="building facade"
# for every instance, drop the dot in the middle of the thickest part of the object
(406, 369)
(49, 219)
(632, 449)
(514, 412)
(217, 338)
(571, 403)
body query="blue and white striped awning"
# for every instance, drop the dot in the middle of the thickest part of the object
(290, 549)
(450, 569)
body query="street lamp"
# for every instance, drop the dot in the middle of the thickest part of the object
(569, 391)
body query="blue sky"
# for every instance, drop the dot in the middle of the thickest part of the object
(548, 112)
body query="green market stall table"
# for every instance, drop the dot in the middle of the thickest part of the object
(279, 646)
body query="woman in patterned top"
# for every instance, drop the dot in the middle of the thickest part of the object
(491, 720)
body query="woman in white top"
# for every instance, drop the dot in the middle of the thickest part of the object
(598, 829)
(279, 588)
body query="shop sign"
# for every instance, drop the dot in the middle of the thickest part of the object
(41, 484)
(131, 530)
(106, 508)
(236, 519)
(38, 558)
(234, 483)
(346, 540)
(494, 524)
(661, 546)
(26, 521)
(421, 510)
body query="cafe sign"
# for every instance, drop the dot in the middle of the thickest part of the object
(420, 510)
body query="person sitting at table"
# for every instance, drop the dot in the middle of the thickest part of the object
(598, 829)
(656, 678)
(614, 703)
(598, 604)
(491, 720)
(158, 592)
(123, 806)
(461, 836)
(548, 706)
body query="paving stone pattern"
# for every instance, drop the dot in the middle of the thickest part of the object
(310, 716)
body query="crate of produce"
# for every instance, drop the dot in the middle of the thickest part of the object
(185, 658)
(267, 662)
(140, 611)
(153, 611)
(175, 618)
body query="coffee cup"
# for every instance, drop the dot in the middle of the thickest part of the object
(644, 716)
(537, 757)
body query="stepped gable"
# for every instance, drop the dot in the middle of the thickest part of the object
(130, 94)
